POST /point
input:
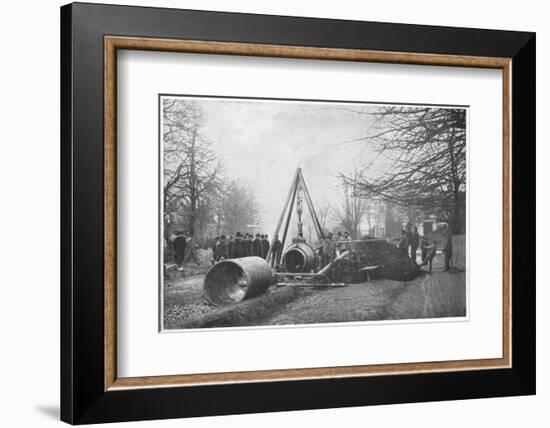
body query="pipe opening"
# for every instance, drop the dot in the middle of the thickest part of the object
(295, 260)
(234, 280)
(225, 283)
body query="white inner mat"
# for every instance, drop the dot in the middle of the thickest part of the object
(143, 351)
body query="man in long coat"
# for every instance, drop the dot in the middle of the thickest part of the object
(265, 246)
(243, 247)
(404, 242)
(238, 245)
(179, 247)
(222, 249)
(230, 248)
(448, 251)
(428, 253)
(256, 246)
(190, 250)
(250, 246)
(415, 241)
(276, 250)
(328, 250)
(215, 249)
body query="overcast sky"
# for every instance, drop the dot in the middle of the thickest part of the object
(261, 143)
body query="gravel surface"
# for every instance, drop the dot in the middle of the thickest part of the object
(177, 313)
(183, 299)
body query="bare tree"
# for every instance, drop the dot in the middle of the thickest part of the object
(238, 207)
(370, 214)
(424, 150)
(191, 170)
(323, 211)
(350, 211)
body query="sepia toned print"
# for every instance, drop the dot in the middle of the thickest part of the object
(294, 212)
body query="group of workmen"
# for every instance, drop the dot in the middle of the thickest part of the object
(410, 241)
(333, 246)
(183, 246)
(246, 245)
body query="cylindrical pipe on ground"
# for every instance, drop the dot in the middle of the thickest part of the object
(299, 257)
(231, 281)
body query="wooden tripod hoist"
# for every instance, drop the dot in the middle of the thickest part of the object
(298, 190)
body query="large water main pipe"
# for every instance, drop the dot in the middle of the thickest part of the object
(231, 281)
(299, 257)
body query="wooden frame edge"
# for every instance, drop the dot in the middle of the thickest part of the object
(507, 212)
(109, 198)
(300, 374)
(301, 52)
(112, 43)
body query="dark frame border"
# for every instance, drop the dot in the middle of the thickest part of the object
(83, 399)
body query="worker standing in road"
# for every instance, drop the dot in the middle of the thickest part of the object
(339, 244)
(238, 247)
(265, 246)
(409, 234)
(245, 245)
(276, 249)
(334, 246)
(347, 238)
(326, 248)
(257, 246)
(424, 244)
(448, 250)
(230, 248)
(179, 247)
(404, 242)
(190, 250)
(414, 243)
(249, 245)
(428, 253)
(222, 248)
(215, 250)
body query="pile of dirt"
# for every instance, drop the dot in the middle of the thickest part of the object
(392, 263)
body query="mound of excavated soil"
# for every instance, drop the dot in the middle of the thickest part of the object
(392, 263)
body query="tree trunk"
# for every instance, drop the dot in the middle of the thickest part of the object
(192, 187)
(455, 211)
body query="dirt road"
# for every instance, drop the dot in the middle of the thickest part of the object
(439, 294)
(435, 295)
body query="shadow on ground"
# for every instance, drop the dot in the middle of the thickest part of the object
(49, 410)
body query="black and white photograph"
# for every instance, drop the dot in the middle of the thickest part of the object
(279, 212)
(275, 214)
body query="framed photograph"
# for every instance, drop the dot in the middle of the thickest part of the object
(266, 213)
